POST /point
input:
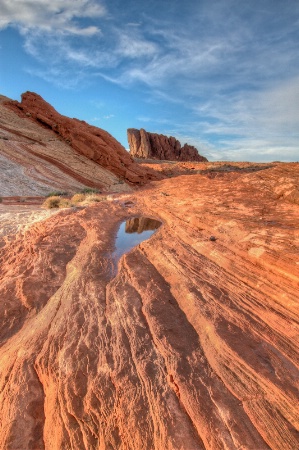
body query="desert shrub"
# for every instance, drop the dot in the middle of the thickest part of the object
(56, 202)
(78, 198)
(64, 203)
(93, 198)
(51, 202)
(57, 194)
(60, 202)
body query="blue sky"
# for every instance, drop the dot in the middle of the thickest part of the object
(222, 75)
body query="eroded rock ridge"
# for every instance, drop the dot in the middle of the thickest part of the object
(94, 143)
(158, 146)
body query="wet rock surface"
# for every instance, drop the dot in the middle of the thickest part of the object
(130, 234)
(151, 145)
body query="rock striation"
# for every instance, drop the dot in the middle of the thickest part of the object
(157, 146)
(96, 152)
(193, 345)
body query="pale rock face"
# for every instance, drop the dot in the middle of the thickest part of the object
(157, 146)
(145, 142)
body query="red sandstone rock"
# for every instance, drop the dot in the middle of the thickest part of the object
(92, 142)
(157, 146)
(193, 345)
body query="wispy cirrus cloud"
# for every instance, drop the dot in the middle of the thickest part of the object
(272, 111)
(63, 51)
(131, 44)
(58, 35)
(258, 127)
(100, 119)
(152, 120)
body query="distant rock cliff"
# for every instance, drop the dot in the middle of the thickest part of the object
(157, 146)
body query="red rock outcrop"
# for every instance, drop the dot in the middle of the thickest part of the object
(192, 345)
(34, 161)
(157, 146)
(91, 142)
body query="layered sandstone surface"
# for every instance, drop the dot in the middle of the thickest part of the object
(42, 151)
(147, 145)
(192, 345)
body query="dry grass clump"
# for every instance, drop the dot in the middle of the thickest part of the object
(86, 199)
(51, 202)
(94, 198)
(65, 203)
(78, 198)
(56, 202)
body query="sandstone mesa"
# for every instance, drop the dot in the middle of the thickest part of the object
(192, 345)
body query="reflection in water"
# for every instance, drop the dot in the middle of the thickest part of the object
(141, 224)
(131, 233)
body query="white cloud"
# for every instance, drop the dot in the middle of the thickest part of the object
(244, 149)
(254, 126)
(51, 15)
(154, 120)
(63, 56)
(134, 45)
(272, 112)
(133, 24)
(246, 126)
(181, 58)
(58, 76)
